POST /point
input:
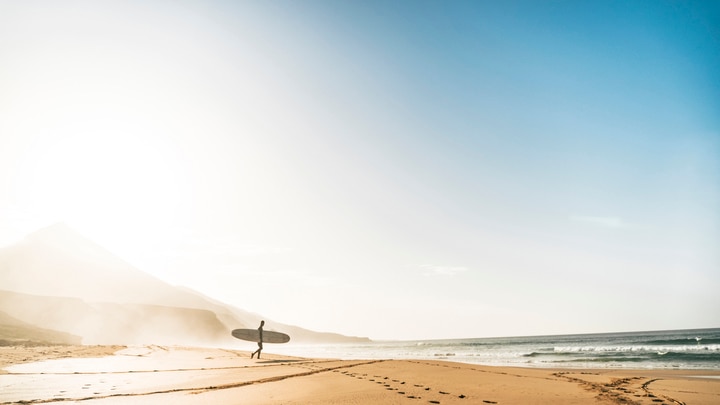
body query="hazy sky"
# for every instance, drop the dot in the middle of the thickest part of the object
(392, 169)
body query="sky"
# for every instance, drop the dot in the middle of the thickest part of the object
(391, 169)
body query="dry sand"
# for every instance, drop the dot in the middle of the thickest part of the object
(180, 375)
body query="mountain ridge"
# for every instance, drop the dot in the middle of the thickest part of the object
(14, 332)
(56, 278)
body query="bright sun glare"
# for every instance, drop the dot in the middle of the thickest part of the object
(122, 181)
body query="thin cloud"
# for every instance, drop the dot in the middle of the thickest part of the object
(605, 222)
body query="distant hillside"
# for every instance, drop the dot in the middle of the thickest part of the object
(299, 335)
(110, 323)
(56, 278)
(15, 332)
(57, 261)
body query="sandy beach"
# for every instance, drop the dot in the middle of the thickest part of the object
(187, 375)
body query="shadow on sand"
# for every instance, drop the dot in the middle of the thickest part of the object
(279, 361)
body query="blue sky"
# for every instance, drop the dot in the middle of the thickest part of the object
(394, 169)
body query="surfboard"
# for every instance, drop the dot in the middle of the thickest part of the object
(253, 335)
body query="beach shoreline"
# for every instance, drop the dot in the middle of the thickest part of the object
(194, 375)
(34, 352)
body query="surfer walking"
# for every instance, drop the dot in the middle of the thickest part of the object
(260, 340)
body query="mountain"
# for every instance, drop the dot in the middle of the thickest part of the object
(117, 323)
(57, 261)
(55, 278)
(15, 332)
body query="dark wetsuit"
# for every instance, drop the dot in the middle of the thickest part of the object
(260, 341)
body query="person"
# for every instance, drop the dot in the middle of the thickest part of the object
(260, 331)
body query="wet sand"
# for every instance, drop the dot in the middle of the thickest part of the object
(29, 354)
(182, 375)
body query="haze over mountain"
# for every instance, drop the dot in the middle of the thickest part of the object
(57, 279)
(13, 331)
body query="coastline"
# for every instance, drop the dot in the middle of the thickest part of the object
(673, 349)
(192, 375)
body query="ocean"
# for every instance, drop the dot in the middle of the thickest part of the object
(675, 349)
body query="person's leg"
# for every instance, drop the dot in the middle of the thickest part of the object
(257, 351)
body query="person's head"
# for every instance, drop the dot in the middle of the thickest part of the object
(262, 323)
